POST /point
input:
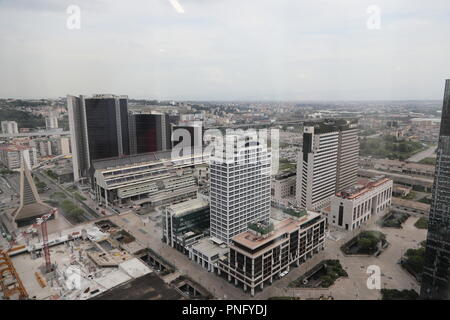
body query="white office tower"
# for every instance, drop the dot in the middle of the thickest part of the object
(239, 186)
(328, 162)
(9, 127)
(51, 122)
(348, 155)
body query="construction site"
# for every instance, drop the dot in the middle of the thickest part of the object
(96, 260)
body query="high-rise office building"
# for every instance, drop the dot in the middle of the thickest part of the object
(51, 122)
(435, 282)
(149, 133)
(328, 162)
(239, 186)
(9, 127)
(99, 130)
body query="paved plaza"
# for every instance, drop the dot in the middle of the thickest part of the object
(146, 229)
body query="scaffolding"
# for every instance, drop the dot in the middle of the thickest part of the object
(10, 283)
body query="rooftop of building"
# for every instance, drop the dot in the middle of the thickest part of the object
(210, 248)
(189, 206)
(331, 125)
(284, 175)
(362, 187)
(252, 240)
(13, 147)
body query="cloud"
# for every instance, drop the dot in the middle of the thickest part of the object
(225, 49)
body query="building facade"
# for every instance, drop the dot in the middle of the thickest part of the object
(435, 282)
(149, 133)
(327, 163)
(99, 130)
(354, 206)
(256, 259)
(239, 186)
(9, 127)
(11, 156)
(51, 123)
(147, 179)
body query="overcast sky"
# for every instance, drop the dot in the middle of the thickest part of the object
(226, 49)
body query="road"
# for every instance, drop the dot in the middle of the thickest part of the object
(428, 153)
(90, 213)
(35, 134)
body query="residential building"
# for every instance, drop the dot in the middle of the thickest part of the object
(435, 283)
(99, 130)
(239, 186)
(353, 207)
(207, 252)
(11, 156)
(328, 161)
(185, 223)
(260, 257)
(43, 147)
(51, 122)
(61, 146)
(283, 188)
(409, 168)
(9, 127)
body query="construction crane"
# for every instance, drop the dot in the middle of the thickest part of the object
(42, 221)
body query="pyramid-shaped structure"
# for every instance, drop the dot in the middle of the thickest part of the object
(31, 206)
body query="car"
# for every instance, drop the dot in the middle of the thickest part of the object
(282, 274)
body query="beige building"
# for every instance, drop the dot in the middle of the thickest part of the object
(354, 206)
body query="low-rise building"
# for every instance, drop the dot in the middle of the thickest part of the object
(9, 127)
(51, 122)
(11, 156)
(154, 178)
(397, 166)
(354, 206)
(207, 252)
(260, 256)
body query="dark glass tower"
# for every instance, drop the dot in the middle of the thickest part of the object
(149, 133)
(436, 272)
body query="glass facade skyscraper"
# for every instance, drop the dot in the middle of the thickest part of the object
(99, 130)
(436, 273)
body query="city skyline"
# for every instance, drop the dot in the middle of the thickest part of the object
(225, 50)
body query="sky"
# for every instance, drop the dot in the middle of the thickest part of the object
(226, 49)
